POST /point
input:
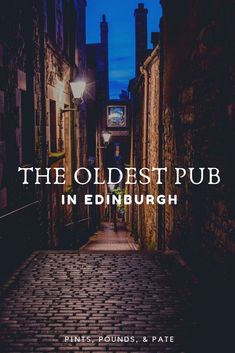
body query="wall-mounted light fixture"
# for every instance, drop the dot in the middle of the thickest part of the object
(106, 136)
(78, 89)
(111, 187)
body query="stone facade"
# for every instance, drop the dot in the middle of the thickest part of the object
(198, 102)
(183, 112)
(23, 208)
(142, 220)
(42, 49)
(98, 81)
(20, 107)
(65, 53)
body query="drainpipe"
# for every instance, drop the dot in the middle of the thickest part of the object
(147, 75)
(44, 151)
(144, 72)
(131, 112)
(161, 162)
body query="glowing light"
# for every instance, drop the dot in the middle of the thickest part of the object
(106, 137)
(78, 89)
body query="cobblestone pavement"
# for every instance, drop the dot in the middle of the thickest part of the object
(106, 239)
(59, 295)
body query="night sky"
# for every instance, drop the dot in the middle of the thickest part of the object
(121, 20)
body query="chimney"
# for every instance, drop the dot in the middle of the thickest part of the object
(104, 31)
(104, 34)
(141, 35)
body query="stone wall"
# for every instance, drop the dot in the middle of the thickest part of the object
(198, 109)
(23, 218)
(136, 88)
(192, 91)
(65, 62)
(21, 115)
(36, 68)
(152, 140)
(143, 219)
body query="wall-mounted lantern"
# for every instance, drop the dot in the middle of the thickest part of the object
(78, 89)
(106, 137)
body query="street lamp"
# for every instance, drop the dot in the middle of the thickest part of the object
(106, 137)
(111, 187)
(78, 89)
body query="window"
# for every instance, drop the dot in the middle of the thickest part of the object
(53, 126)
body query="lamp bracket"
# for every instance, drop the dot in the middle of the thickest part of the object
(68, 110)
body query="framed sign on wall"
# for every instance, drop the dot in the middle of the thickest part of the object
(116, 116)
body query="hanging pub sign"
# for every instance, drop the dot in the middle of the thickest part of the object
(116, 116)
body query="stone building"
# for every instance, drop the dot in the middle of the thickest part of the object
(20, 115)
(144, 90)
(197, 54)
(142, 220)
(98, 64)
(22, 129)
(42, 49)
(65, 57)
(98, 83)
(141, 33)
(182, 116)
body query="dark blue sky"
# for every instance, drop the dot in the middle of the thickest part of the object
(120, 16)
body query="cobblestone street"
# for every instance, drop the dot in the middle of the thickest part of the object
(58, 295)
(106, 239)
(65, 294)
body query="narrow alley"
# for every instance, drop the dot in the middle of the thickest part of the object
(117, 198)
